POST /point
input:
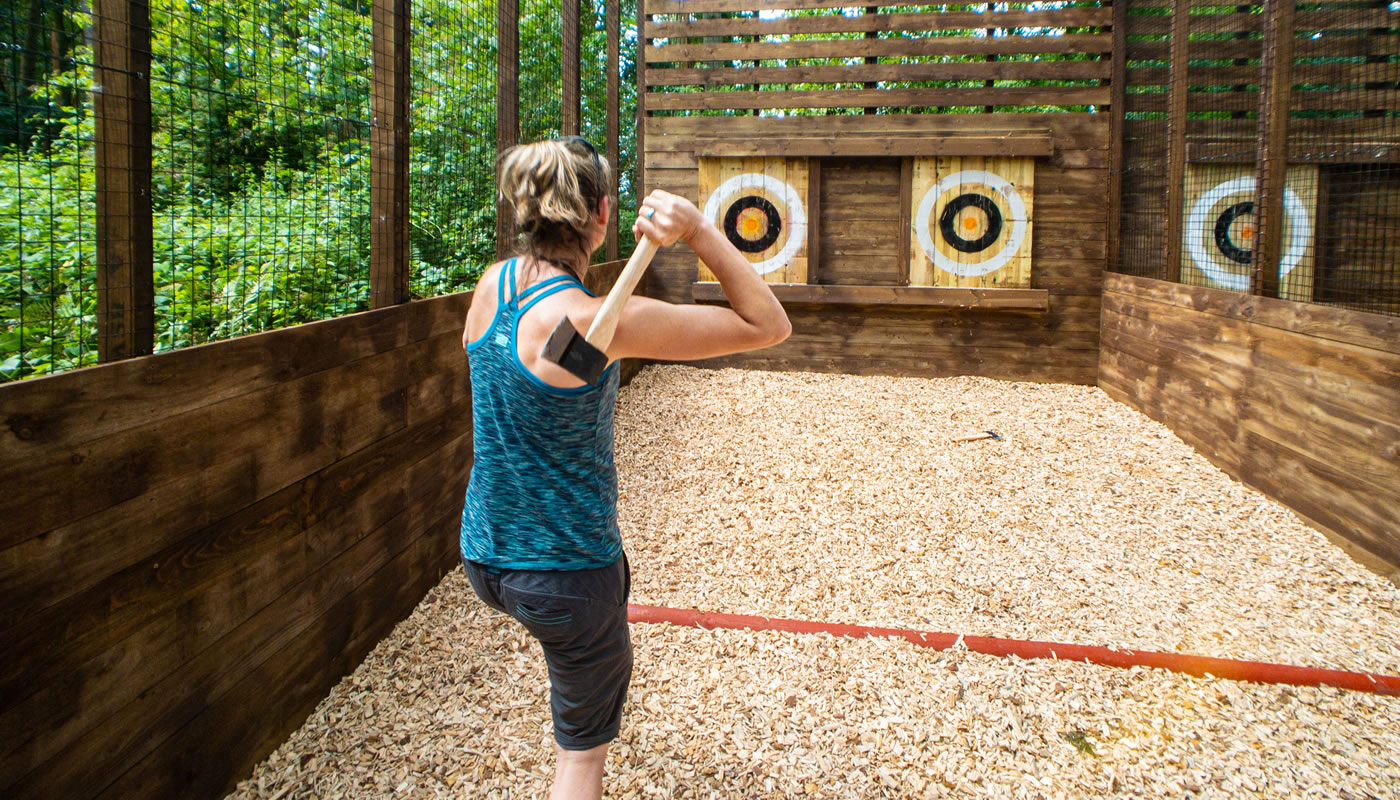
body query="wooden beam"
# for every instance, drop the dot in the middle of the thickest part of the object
(977, 143)
(859, 48)
(1176, 138)
(814, 218)
(725, 76)
(906, 220)
(569, 66)
(122, 107)
(507, 106)
(932, 296)
(389, 92)
(850, 98)
(613, 23)
(641, 188)
(1272, 162)
(1118, 89)
(873, 23)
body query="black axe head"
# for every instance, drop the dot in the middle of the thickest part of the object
(570, 350)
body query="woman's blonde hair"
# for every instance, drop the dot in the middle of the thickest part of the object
(553, 189)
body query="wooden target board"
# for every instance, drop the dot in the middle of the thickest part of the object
(759, 204)
(1217, 246)
(971, 222)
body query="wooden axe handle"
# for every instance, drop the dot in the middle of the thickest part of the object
(600, 333)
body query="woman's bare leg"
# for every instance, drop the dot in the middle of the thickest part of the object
(578, 774)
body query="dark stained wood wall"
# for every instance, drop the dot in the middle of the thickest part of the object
(1297, 400)
(859, 229)
(197, 545)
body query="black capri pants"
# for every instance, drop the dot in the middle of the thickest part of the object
(579, 618)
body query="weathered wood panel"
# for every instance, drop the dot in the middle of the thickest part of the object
(280, 501)
(859, 233)
(259, 483)
(1299, 401)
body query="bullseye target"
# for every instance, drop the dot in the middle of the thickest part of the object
(1219, 228)
(971, 222)
(759, 206)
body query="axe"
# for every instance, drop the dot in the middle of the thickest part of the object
(585, 357)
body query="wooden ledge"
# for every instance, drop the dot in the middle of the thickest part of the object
(937, 296)
(984, 143)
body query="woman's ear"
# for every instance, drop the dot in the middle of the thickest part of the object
(604, 204)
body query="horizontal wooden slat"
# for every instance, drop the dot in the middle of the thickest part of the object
(1252, 48)
(1303, 21)
(879, 23)
(854, 48)
(724, 6)
(1299, 100)
(860, 73)
(1251, 75)
(1299, 151)
(1008, 299)
(993, 144)
(1071, 130)
(1336, 324)
(848, 98)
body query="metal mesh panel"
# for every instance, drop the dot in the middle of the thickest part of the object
(452, 185)
(1340, 233)
(594, 95)
(1143, 209)
(1345, 126)
(261, 177)
(541, 82)
(47, 190)
(1222, 121)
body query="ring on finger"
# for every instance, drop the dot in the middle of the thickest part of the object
(649, 212)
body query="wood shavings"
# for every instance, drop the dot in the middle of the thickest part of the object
(779, 494)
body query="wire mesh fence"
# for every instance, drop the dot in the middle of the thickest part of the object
(261, 182)
(452, 185)
(1339, 237)
(48, 246)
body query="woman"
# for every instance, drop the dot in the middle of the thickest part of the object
(540, 540)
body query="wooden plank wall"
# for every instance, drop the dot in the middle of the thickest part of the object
(198, 544)
(1297, 400)
(859, 243)
(721, 54)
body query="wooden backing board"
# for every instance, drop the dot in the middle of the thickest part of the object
(971, 223)
(717, 173)
(1204, 264)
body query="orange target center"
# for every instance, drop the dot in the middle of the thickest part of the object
(969, 222)
(1247, 232)
(752, 223)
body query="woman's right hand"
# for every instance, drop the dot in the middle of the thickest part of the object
(667, 218)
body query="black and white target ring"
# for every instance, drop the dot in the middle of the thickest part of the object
(1219, 232)
(1000, 205)
(752, 223)
(758, 212)
(948, 222)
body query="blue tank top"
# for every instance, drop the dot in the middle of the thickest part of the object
(543, 488)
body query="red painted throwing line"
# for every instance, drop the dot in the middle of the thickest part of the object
(1200, 666)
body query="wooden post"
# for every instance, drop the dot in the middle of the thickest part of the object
(569, 67)
(388, 263)
(1176, 137)
(906, 220)
(1118, 98)
(122, 107)
(507, 107)
(814, 219)
(868, 60)
(1271, 164)
(641, 189)
(613, 21)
